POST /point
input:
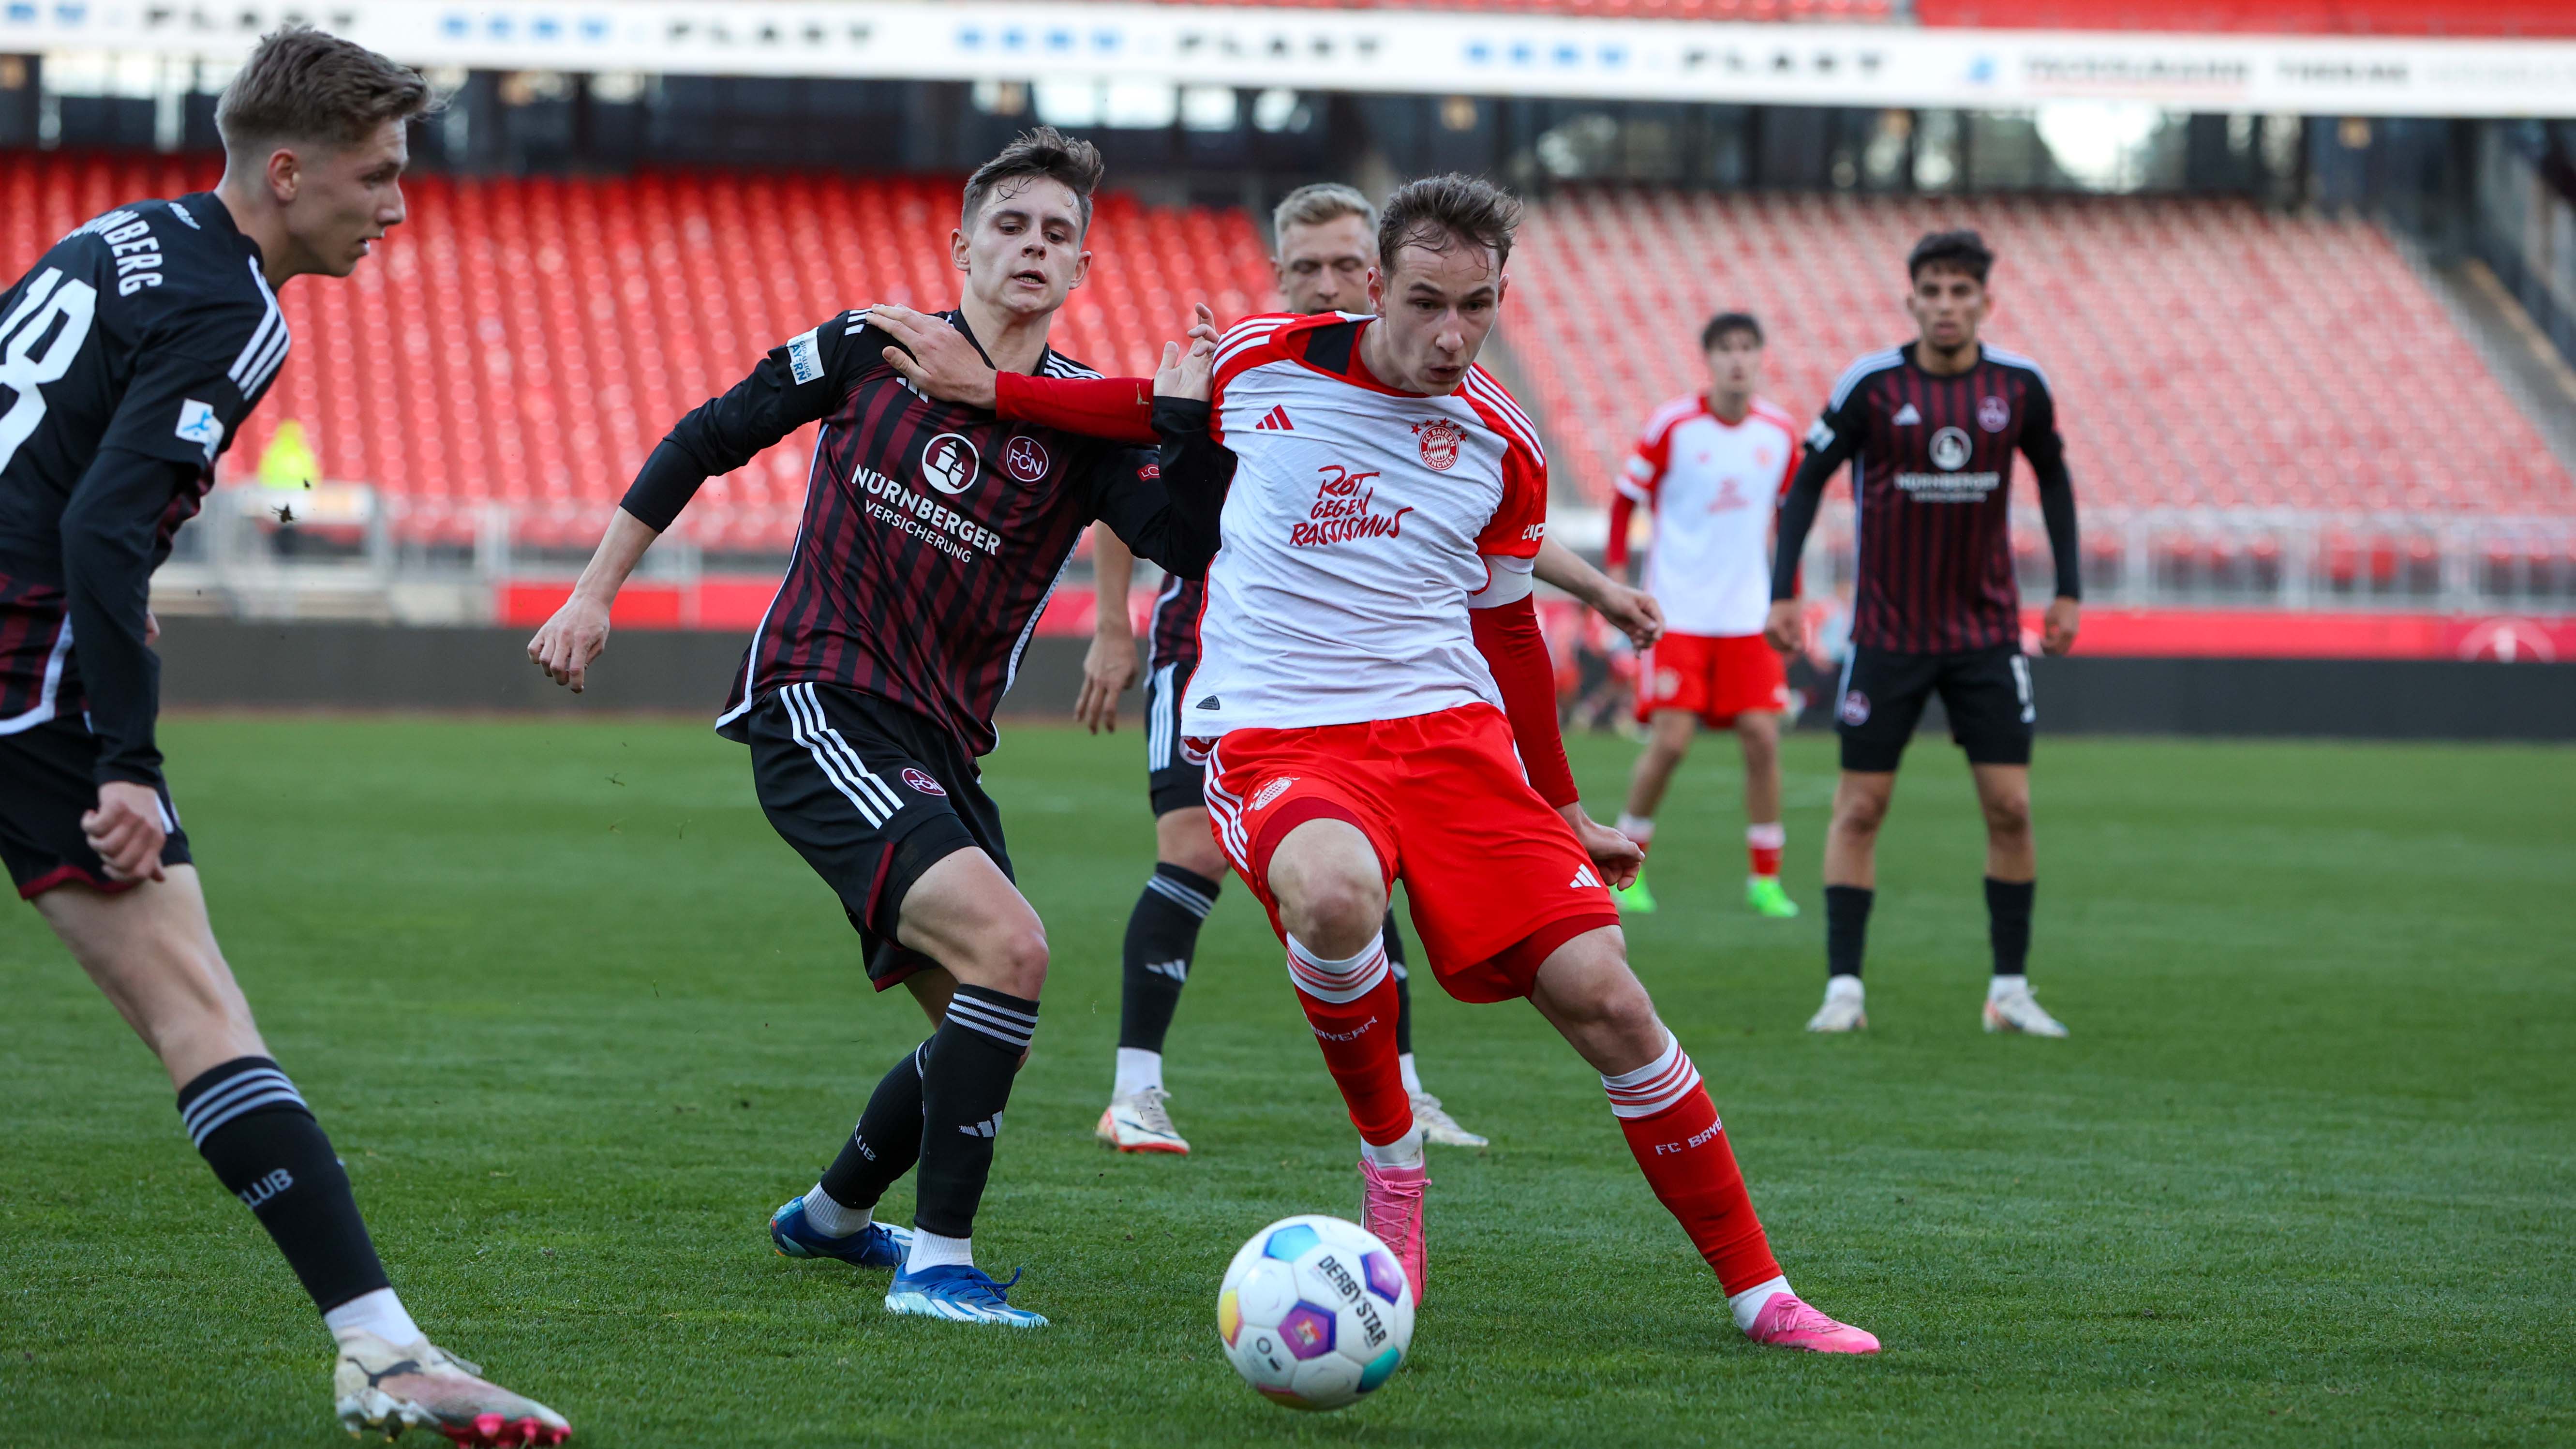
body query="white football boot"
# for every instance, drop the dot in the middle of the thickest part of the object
(385, 1388)
(1844, 1008)
(2011, 1007)
(1139, 1122)
(1438, 1126)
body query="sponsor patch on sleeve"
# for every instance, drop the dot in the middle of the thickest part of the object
(1821, 436)
(199, 425)
(804, 357)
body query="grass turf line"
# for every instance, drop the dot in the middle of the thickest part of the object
(577, 1020)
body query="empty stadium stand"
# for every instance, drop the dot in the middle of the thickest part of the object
(2210, 358)
(526, 341)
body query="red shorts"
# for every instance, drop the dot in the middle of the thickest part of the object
(1716, 677)
(1496, 879)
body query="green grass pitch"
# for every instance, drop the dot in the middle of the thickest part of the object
(577, 1020)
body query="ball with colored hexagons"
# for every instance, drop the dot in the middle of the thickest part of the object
(1315, 1312)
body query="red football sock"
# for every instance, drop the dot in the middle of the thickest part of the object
(1682, 1149)
(1357, 1035)
(1762, 844)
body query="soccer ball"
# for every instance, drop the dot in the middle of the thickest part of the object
(1315, 1312)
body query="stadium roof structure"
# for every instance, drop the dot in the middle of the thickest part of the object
(1410, 51)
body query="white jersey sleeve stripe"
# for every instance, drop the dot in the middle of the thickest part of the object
(1875, 362)
(2015, 359)
(1513, 426)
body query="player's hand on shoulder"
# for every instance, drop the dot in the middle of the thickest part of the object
(570, 640)
(1617, 856)
(2058, 626)
(126, 830)
(1186, 374)
(1786, 627)
(934, 356)
(1632, 612)
(1108, 668)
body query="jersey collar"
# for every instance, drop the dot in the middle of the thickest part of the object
(957, 319)
(209, 212)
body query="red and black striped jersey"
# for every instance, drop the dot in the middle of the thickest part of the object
(933, 533)
(1174, 638)
(1931, 462)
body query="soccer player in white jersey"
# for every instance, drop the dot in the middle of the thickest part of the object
(1377, 703)
(1709, 469)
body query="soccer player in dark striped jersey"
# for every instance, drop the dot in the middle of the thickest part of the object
(933, 536)
(130, 355)
(1929, 429)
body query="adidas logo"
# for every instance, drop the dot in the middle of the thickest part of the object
(1207, 703)
(989, 1127)
(1906, 416)
(1583, 876)
(1275, 421)
(1177, 970)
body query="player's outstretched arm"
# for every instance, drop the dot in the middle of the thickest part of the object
(578, 632)
(1109, 666)
(1632, 612)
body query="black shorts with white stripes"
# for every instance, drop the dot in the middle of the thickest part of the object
(872, 795)
(1172, 779)
(46, 785)
(1986, 692)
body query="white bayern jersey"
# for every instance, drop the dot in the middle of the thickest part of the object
(1714, 489)
(1354, 533)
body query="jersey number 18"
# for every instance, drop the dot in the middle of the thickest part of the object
(49, 298)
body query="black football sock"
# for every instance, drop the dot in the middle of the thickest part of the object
(965, 1084)
(1846, 927)
(887, 1141)
(254, 1130)
(1403, 985)
(2008, 922)
(1162, 937)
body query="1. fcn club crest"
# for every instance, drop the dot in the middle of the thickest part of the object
(1439, 438)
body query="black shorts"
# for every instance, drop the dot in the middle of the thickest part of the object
(47, 783)
(1985, 691)
(1172, 780)
(872, 795)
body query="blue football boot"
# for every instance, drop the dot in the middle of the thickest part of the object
(961, 1293)
(874, 1246)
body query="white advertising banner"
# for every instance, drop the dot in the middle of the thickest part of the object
(1413, 51)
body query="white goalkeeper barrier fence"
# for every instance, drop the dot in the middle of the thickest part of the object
(344, 551)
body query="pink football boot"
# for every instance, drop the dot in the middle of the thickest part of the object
(1786, 1322)
(1391, 1207)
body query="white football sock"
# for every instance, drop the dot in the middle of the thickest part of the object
(1838, 987)
(379, 1313)
(1412, 1078)
(2003, 986)
(830, 1218)
(1747, 1305)
(1773, 836)
(1639, 828)
(929, 1250)
(1405, 1151)
(1138, 1071)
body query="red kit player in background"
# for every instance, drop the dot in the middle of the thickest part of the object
(1710, 469)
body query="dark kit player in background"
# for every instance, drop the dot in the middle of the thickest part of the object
(129, 358)
(933, 535)
(1929, 429)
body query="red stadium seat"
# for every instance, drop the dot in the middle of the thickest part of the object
(528, 340)
(2204, 353)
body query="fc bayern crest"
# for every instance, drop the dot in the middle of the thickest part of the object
(1993, 413)
(1439, 438)
(919, 782)
(1026, 459)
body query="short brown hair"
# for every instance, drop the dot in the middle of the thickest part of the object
(1045, 152)
(1438, 212)
(304, 85)
(1319, 203)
